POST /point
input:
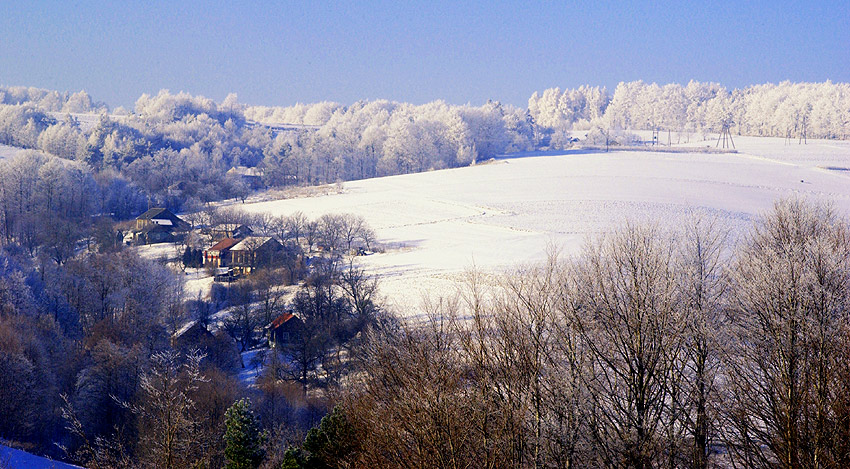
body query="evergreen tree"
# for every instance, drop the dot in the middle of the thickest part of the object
(243, 438)
(294, 459)
(187, 257)
(332, 443)
(193, 257)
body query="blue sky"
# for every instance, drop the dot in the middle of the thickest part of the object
(280, 53)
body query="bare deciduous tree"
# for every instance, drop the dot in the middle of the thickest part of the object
(169, 430)
(786, 369)
(626, 315)
(702, 286)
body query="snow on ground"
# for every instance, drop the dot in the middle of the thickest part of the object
(198, 281)
(159, 251)
(438, 224)
(16, 459)
(86, 120)
(8, 152)
(253, 361)
(814, 154)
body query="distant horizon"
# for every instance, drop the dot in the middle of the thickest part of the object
(610, 90)
(417, 52)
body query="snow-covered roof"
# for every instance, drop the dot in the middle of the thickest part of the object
(251, 243)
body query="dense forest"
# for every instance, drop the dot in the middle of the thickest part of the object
(105, 362)
(820, 110)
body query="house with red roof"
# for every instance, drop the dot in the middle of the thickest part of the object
(255, 252)
(284, 330)
(218, 255)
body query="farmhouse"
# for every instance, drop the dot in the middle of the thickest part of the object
(230, 230)
(153, 234)
(158, 225)
(254, 252)
(284, 330)
(217, 348)
(218, 255)
(161, 217)
(253, 177)
(191, 336)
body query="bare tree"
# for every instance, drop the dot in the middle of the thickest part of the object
(312, 233)
(270, 297)
(625, 312)
(331, 229)
(99, 452)
(360, 290)
(243, 319)
(412, 404)
(352, 228)
(169, 424)
(279, 228)
(702, 286)
(296, 225)
(786, 369)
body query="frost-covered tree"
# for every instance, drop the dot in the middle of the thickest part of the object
(787, 368)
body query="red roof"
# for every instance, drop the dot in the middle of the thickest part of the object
(280, 320)
(224, 244)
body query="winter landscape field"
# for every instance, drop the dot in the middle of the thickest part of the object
(301, 235)
(509, 211)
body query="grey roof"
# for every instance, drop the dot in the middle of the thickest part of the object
(152, 213)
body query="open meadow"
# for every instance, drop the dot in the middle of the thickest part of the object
(495, 216)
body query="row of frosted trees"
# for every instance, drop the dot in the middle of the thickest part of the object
(379, 138)
(179, 143)
(822, 110)
(647, 350)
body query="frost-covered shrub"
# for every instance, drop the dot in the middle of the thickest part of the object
(600, 136)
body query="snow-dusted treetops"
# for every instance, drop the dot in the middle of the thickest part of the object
(823, 109)
(172, 142)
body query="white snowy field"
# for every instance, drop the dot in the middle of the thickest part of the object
(8, 152)
(495, 216)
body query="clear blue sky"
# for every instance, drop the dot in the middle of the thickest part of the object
(282, 53)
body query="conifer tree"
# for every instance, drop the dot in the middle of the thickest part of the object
(243, 438)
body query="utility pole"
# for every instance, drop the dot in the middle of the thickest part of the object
(725, 134)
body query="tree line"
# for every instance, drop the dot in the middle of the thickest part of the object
(177, 149)
(815, 110)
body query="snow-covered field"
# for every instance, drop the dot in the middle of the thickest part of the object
(8, 152)
(495, 216)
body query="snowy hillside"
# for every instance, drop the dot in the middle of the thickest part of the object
(16, 459)
(494, 216)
